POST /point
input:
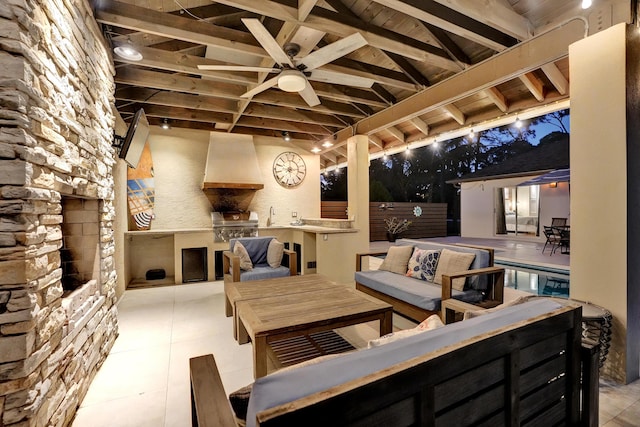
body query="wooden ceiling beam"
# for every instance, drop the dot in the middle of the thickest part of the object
(174, 99)
(556, 77)
(421, 125)
(497, 98)
(282, 125)
(455, 113)
(327, 20)
(373, 139)
(304, 8)
(396, 134)
(534, 84)
(182, 63)
(495, 13)
(453, 20)
(172, 82)
(150, 21)
(181, 113)
(526, 57)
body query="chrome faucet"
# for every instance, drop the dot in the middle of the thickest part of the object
(270, 220)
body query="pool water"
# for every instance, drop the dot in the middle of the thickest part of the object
(534, 279)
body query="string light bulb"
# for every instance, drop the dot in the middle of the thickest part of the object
(165, 124)
(518, 123)
(586, 4)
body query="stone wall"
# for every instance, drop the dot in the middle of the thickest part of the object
(56, 121)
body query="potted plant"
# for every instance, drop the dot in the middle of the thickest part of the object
(395, 226)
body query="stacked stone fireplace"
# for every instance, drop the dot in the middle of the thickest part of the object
(57, 274)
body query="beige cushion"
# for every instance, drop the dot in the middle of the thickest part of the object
(397, 259)
(274, 253)
(245, 260)
(453, 262)
(430, 323)
(475, 313)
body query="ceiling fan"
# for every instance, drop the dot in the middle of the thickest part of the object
(294, 73)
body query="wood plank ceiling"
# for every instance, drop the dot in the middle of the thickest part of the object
(412, 45)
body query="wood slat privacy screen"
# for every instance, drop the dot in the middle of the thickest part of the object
(432, 222)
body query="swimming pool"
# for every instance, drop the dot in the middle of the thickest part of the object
(535, 279)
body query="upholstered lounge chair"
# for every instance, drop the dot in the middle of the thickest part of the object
(258, 250)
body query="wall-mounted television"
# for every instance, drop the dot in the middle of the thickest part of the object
(134, 140)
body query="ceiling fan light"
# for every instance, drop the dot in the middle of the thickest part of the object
(291, 81)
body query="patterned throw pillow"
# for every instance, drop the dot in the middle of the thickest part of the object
(422, 264)
(245, 260)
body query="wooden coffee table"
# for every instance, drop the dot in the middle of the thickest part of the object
(242, 291)
(264, 320)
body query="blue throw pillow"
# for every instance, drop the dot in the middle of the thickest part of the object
(422, 264)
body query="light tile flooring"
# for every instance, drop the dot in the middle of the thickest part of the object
(145, 379)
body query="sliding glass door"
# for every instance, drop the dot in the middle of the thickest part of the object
(517, 210)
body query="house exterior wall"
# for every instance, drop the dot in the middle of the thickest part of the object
(477, 201)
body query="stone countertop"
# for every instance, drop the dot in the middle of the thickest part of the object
(261, 229)
(169, 231)
(309, 228)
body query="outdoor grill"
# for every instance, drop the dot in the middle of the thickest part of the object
(233, 224)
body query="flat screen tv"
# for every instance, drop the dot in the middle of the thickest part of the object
(134, 140)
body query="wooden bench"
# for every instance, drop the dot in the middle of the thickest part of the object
(493, 296)
(533, 371)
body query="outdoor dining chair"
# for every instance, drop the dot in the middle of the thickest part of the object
(558, 222)
(553, 238)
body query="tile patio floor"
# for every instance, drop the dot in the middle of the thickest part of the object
(145, 379)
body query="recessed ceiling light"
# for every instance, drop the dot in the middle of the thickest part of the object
(127, 51)
(586, 4)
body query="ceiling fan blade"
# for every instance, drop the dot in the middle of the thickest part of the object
(309, 95)
(334, 77)
(333, 51)
(237, 68)
(267, 41)
(261, 87)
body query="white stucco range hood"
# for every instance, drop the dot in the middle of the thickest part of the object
(232, 174)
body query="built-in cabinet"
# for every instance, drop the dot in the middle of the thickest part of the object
(163, 249)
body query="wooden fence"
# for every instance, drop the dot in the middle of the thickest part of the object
(431, 223)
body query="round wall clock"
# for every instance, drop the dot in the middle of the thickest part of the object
(289, 169)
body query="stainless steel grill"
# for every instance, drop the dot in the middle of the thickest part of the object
(230, 225)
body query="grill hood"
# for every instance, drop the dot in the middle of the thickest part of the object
(231, 174)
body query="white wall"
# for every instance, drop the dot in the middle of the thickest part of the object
(477, 201)
(179, 157)
(303, 199)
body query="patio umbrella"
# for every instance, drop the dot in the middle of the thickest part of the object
(558, 175)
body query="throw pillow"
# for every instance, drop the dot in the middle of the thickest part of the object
(274, 253)
(430, 323)
(453, 262)
(397, 259)
(245, 260)
(476, 313)
(422, 264)
(393, 336)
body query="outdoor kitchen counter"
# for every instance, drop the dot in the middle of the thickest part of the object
(306, 228)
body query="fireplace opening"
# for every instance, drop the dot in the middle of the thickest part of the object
(80, 252)
(194, 265)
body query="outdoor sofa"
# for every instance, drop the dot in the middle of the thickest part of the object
(478, 283)
(520, 365)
